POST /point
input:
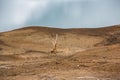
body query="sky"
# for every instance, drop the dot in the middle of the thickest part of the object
(58, 13)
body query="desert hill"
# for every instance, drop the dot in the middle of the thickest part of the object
(92, 52)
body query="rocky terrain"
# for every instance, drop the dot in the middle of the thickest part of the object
(82, 54)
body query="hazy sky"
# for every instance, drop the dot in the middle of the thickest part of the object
(58, 13)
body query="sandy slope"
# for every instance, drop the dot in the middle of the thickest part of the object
(82, 54)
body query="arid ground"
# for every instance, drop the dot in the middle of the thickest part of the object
(82, 54)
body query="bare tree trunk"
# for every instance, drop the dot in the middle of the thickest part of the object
(54, 50)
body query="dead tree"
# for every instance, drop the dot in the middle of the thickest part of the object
(54, 42)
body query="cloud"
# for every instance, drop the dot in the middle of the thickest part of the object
(58, 13)
(82, 13)
(17, 12)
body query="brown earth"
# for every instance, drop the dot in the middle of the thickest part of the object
(82, 54)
